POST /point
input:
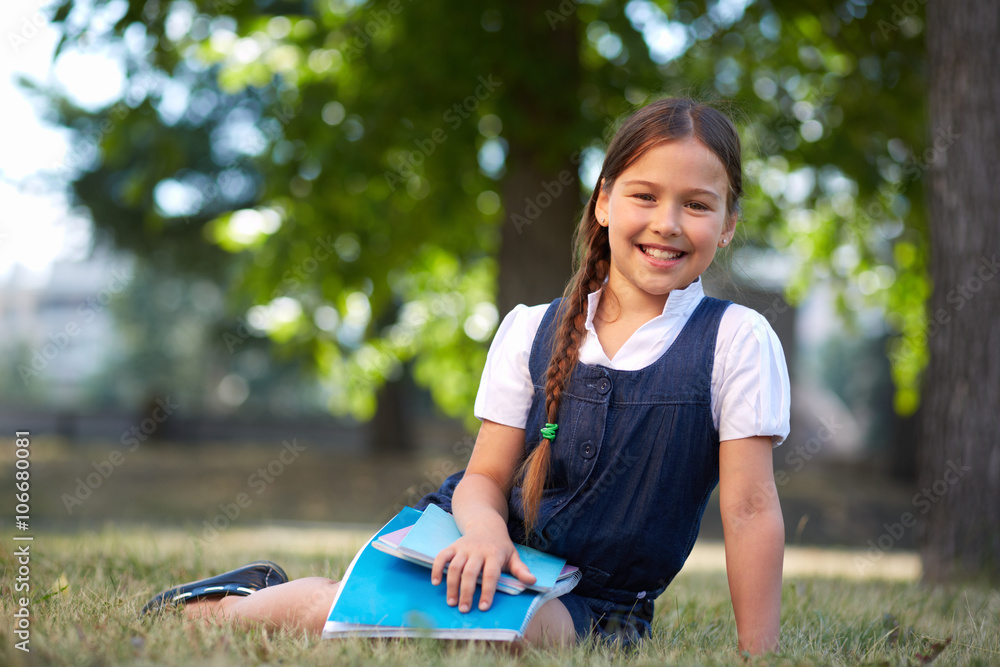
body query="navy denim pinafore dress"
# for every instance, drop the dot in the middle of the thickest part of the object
(632, 467)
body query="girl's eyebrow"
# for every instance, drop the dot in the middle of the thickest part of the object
(692, 191)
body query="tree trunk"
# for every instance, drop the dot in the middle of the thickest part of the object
(960, 454)
(535, 254)
(541, 195)
(390, 432)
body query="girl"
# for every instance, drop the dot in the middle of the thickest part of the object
(610, 415)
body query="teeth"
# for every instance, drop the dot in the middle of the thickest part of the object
(661, 254)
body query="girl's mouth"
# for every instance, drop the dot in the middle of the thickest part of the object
(664, 255)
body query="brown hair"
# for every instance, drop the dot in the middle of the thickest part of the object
(664, 120)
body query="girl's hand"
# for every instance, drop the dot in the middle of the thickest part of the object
(471, 554)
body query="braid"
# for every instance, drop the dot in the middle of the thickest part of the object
(592, 244)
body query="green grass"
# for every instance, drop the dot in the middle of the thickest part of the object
(87, 588)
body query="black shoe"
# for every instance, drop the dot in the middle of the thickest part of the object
(242, 581)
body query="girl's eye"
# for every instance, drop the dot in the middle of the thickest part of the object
(698, 206)
(642, 196)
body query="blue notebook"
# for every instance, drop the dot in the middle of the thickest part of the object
(436, 529)
(385, 596)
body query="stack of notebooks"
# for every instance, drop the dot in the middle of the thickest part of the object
(387, 589)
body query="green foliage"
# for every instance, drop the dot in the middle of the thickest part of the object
(343, 162)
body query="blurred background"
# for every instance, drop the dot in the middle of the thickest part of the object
(253, 252)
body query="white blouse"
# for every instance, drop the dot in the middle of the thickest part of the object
(750, 387)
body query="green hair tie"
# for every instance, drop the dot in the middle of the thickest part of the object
(549, 432)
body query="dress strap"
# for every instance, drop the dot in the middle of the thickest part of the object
(541, 347)
(694, 349)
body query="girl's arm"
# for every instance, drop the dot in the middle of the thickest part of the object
(479, 505)
(755, 540)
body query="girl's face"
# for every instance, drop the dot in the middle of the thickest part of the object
(666, 215)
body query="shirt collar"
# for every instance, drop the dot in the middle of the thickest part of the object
(680, 302)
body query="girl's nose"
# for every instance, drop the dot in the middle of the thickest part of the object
(667, 221)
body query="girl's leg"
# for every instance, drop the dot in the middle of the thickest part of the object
(551, 625)
(302, 604)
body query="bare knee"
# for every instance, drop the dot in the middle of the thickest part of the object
(551, 625)
(318, 591)
(315, 597)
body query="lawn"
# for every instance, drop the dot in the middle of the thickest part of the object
(88, 586)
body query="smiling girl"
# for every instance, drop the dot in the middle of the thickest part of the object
(610, 415)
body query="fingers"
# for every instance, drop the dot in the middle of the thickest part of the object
(491, 574)
(437, 569)
(463, 572)
(470, 579)
(452, 578)
(464, 567)
(520, 570)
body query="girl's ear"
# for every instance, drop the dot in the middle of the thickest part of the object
(729, 231)
(731, 225)
(601, 207)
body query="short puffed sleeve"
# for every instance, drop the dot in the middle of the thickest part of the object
(750, 385)
(505, 389)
